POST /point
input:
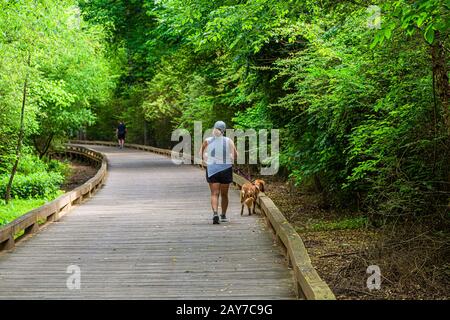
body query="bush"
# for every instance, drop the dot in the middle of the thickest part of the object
(29, 164)
(35, 178)
(17, 207)
(60, 167)
(34, 185)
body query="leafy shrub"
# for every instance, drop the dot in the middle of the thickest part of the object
(30, 163)
(34, 185)
(57, 166)
(17, 207)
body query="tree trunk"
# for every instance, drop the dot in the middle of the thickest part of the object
(317, 184)
(44, 151)
(145, 132)
(21, 135)
(440, 77)
(442, 90)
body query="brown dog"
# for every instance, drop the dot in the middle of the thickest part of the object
(249, 194)
(260, 184)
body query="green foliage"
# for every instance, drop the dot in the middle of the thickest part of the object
(426, 17)
(356, 106)
(35, 185)
(30, 163)
(61, 167)
(68, 72)
(36, 178)
(17, 207)
(133, 50)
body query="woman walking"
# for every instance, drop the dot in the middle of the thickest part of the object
(219, 152)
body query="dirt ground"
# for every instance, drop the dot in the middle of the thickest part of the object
(80, 173)
(413, 265)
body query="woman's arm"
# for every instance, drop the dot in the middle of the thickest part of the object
(202, 152)
(234, 153)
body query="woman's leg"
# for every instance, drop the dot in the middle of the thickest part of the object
(215, 191)
(224, 195)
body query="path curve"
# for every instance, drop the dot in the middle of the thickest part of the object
(147, 234)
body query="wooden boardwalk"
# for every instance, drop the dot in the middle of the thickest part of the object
(148, 234)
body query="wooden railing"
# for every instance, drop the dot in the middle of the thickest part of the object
(32, 221)
(308, 283)
(128, 145)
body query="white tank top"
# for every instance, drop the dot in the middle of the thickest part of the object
(218, 154)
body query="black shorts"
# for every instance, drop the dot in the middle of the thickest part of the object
(121, 136)
(222, 177)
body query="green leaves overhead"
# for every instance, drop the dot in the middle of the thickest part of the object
(424, 16)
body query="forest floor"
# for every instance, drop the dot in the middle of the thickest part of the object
(414, 260)
(80, 173)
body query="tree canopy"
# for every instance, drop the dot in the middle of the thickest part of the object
(358, 89)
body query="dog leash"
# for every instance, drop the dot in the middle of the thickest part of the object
(241, 173)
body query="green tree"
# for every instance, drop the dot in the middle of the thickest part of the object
(62, 61)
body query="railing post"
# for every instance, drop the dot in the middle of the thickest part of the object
(7, 244)
(79, 200)
(53, 217)
(298, 290)
(32, 229)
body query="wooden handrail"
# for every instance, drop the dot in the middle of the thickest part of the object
(54, 210)
(308, 283)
